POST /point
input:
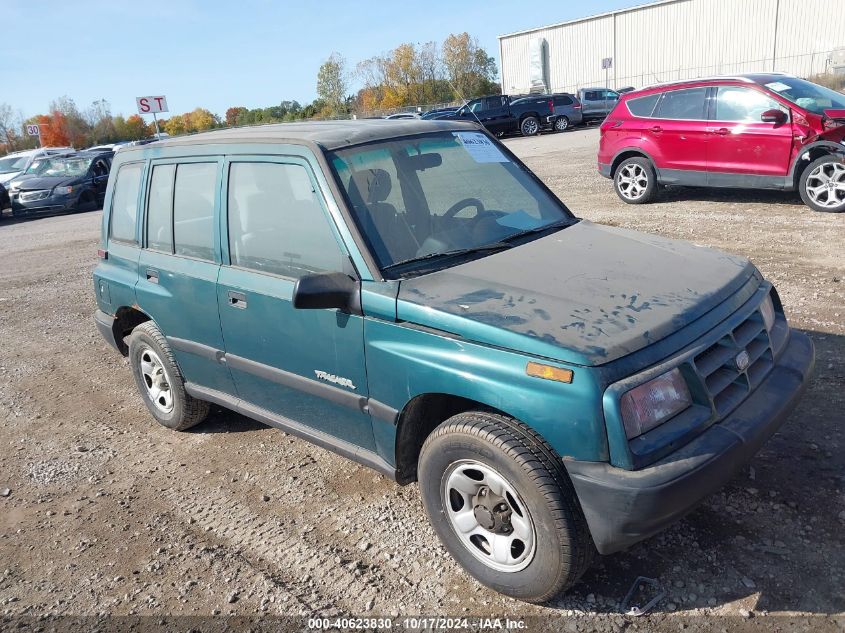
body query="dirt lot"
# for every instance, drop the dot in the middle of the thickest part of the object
(109, 513)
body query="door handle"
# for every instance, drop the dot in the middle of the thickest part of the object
(152, 276)
(722, 131)
(237, 299)
(656, 129)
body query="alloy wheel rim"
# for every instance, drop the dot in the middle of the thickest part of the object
(156, 381)
(561, 124)
(488, 516)
(632, 181)
(529, 127)
(825, 185)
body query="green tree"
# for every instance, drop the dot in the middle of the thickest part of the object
(469, 69)
(332, 82)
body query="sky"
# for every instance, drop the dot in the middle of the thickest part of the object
(214, 54)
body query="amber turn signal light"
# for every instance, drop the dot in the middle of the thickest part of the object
(547, 372)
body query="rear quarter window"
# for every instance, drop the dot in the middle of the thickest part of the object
(643, 106)
(563, 101)
(124, 206)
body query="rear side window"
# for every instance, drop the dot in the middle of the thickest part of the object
(592, 95)
(643, 106)
(193, 210)
(276, 222)
(124, 206)
(682, 104)
(160, 209)
(563, 101)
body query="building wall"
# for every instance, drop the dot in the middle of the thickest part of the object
(681, 39)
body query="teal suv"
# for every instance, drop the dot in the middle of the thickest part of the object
(409, 295)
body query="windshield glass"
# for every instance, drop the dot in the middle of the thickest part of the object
(437, 193)
(807, 95)
(12, 163)
(66, 167)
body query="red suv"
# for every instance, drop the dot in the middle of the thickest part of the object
(766, 131)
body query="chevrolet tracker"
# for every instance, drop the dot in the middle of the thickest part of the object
(409, 295)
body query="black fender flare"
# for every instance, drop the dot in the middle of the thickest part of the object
(830, 147)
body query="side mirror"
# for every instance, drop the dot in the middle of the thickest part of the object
(327, 290)
(773, 116)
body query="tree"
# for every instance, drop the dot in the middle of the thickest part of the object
(136, 129)
(54, 129)
(76, 128)
(232, 115)
(331, 83)
(469, 69)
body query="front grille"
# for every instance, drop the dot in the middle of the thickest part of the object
(29, 196)
(724, 382)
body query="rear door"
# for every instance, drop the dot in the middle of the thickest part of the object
(740, 142)
(179, 265)
(303, 365)
(678, 131)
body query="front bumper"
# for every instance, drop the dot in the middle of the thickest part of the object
(50, 203)
(623, 507)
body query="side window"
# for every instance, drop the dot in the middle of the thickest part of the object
(493, 103)
(160, 209)
(563, 101)
(591, 95)
(643, 106)
(735, 103)
(682, 104)
(276, 222)
(476, 106)
(193, 210)
(611, 95)
(124, 206)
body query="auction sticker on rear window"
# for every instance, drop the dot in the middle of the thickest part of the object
(480, 147)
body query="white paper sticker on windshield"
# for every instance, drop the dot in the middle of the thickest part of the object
(777, 86)
(480, 147)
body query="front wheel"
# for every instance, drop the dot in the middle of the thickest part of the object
(635, 181)
(561, 124)
(822, 184)
(501, 502)
(530, 126)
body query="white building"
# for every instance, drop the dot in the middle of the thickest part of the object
(676, 39)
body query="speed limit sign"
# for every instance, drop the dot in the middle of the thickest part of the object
(33, 130)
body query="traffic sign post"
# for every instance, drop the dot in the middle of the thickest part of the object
(606, 64)
(33, 129)
(152, 105)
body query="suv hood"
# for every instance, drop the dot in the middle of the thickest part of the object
(36, 182)
(588, 294)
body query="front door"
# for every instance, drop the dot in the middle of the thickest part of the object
(179, 264)
(496, 115)
(678, 131)
(303, 365)
(741, 143)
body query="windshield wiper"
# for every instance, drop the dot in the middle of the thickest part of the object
(495, 246)
(540, 229)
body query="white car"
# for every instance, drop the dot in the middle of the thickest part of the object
(13, 165)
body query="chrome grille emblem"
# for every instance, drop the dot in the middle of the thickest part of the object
(742, 360)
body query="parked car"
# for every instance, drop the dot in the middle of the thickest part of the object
(61, 183)
(14, 164)
(625, 89)
(597, 103)
(426, 306)
(500, 116)
(567, 110)
(432, 114)
(5, 201)
(403, 115)
(762, 131)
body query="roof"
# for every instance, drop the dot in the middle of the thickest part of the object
(590, 17)
(328, 134)
(749, 78)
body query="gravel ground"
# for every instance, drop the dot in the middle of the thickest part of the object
(104, 512)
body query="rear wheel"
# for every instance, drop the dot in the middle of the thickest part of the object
(822, 185)
(530, 126)
(501, 502)
(635, 181)
(561, 124)
(160, 382)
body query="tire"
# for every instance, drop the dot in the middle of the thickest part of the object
(813, 186)
(561, 124)
(530, 126)
(154, 367)
(543, 510)
(635, 181)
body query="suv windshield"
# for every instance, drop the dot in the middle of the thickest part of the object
(12, 163)
(806, 94)
(431, 198)
(68, 167)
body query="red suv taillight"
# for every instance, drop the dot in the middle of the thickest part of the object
(551, 106)
(577, 105)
